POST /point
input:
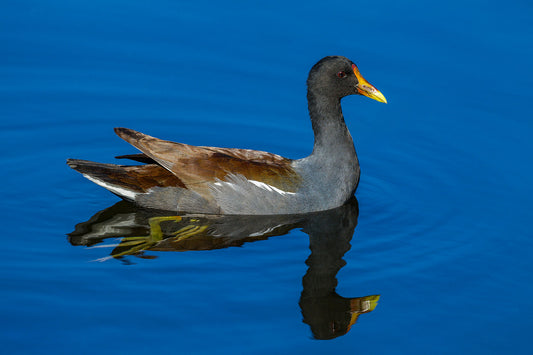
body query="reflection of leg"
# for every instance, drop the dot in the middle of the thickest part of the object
(189, 230)
(134, 245)
(155, 225)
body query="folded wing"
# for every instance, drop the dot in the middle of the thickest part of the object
(199, 167)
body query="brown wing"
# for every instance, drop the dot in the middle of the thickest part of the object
(198, 167)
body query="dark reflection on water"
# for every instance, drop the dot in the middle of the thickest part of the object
(139, 231)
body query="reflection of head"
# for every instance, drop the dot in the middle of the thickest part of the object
(333, 315)
(328, 314)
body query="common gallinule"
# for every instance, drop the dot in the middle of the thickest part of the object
(181, 177)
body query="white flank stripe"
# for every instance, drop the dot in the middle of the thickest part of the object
(114, 189)
(270, 187)
(256, 183)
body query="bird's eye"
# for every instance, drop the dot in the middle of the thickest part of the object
(341, 74)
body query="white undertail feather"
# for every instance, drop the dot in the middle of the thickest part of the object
(122, 192)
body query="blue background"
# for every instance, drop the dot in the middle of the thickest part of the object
(445, 195)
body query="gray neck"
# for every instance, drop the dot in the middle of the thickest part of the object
(331, 134)
(331, 172)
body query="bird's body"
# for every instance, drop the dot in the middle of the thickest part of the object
(180, 177)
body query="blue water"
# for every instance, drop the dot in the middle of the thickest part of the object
(444, 203)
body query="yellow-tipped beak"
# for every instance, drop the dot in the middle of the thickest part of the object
(366, 89)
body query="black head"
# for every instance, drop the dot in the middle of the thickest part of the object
(337, 77)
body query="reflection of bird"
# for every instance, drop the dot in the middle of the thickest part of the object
(328, 314)
(143, 230)
(180, 177)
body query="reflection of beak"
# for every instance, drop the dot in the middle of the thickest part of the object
(366, 89)
(362, 305)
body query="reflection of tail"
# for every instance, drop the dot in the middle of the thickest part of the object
(125, 181)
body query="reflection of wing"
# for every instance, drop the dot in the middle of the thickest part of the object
(141, 230)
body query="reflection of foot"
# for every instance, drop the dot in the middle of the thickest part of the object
(136, 244)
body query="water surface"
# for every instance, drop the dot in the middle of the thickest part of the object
(440, 233)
